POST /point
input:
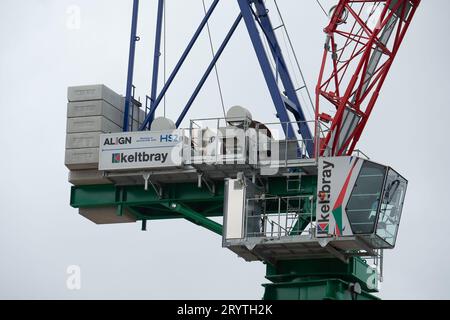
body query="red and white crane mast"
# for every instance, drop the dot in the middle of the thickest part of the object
(363, 38)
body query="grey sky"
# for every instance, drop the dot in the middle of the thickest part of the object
(40, 234)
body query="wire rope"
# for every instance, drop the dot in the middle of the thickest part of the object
(219, 86)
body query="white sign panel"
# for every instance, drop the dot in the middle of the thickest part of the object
(141, 150)
(336, 179)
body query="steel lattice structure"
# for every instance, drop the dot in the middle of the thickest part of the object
(363, 38)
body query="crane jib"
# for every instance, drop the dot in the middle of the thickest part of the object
(362, 51)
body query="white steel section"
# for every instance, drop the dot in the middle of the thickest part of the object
(336, 178)
(234, 209)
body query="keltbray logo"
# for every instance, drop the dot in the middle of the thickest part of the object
(324, 198)
(116, 158)
(139, 157)
(337, 209)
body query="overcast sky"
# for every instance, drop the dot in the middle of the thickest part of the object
(41, 54)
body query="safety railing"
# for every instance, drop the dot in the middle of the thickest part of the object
(213, 142)
(278, 217)
(242, 141)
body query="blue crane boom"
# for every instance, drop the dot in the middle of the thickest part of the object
(254, 14)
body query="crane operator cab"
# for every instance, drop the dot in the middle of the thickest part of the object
(359, 197)
(355, 211)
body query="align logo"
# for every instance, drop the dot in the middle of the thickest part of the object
(117, 141)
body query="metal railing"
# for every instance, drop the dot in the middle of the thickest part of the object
(278, 217)
(215, 141)
(280, 139)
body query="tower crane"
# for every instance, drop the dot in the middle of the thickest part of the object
(294, 194)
